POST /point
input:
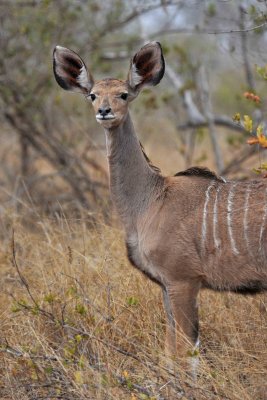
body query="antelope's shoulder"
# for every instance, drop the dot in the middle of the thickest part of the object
(189, 188)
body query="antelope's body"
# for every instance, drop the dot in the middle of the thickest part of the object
(186, 232)
(203, 229)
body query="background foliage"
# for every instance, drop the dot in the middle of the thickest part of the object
(211, 49)
(71, 326)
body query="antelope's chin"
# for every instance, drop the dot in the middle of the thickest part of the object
(105, 117)
(108, 121)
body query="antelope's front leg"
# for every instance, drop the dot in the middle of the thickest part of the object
(170, 336)
(180, 300)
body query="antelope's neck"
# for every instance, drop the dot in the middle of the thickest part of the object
(133, 183)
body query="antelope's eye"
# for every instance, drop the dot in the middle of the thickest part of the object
(124, 96)
(93, 96)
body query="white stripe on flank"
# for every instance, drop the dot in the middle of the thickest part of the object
(245, 221)
(263, 219)
(229, 222)
(204, 219)
(216, 239)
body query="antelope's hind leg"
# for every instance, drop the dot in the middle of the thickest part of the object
(180, 300)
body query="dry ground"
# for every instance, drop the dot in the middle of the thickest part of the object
(78, 322)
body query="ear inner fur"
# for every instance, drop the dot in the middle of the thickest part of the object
(147, 66)
(70, 71)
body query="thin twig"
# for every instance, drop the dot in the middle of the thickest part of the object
(25, 283)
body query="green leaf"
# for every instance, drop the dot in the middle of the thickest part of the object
(132, 301)
(262, 71)
(81, 309)
(211, 10)
(49, 298)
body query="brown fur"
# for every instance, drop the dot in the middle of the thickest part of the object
(186, 232)
(157, 169)
(199, 171)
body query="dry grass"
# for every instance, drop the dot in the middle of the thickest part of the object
(77, 322)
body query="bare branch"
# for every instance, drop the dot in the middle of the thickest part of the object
(207, 107)
(25, 282)
(245, 155)
(253, 28)
(244, 48)
(220, 120)
(189, 31)
(137, 12)
(194, 114)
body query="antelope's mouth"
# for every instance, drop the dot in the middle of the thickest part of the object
(104, 117)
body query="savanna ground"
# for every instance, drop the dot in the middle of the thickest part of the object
(78, 322)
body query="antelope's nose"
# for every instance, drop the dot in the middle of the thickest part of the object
(104, 111)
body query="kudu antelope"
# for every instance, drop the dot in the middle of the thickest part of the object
(185, 232)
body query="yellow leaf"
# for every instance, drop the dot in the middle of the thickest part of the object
(236, 117)
(78, 338)
(82, 361)
(78, 376)
(125, 374)
(34, 375)
(248, 123)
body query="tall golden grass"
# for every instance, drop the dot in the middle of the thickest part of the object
(78, 322)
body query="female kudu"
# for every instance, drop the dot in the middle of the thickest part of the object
(185, 232)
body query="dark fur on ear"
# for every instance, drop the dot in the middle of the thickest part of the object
(70, 71)
(147, 67)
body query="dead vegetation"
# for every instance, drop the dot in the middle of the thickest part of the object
(77, 322)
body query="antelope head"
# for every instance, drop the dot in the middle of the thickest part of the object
(110, 97)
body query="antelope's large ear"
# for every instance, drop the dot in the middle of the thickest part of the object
(147, 67)
(70, 71)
